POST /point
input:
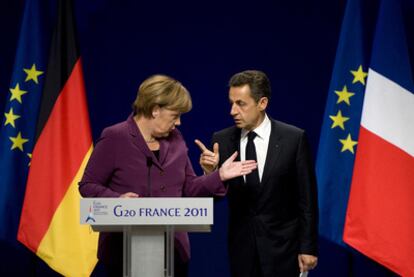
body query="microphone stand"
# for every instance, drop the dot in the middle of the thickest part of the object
(149, 164)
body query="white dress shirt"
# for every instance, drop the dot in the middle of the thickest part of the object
(261, 142)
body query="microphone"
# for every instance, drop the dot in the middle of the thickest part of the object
(149, 161)
(149, 164)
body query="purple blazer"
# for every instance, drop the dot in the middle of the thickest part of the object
(118, 165)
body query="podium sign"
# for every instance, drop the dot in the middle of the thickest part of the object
(147, 211)
(148, 225)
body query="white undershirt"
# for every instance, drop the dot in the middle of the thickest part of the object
(261, 142)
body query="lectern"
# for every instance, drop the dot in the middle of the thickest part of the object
(148, 225)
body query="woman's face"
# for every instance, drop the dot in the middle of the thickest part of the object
(164, 121)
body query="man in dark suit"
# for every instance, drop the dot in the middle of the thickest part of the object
(272, 211)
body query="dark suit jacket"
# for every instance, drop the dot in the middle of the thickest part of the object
(277, 220)
(118, 165)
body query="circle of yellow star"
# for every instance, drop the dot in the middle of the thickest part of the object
(348, 144)
(17, 93)
(10, 118)
(338, 120)
(32, 74)
(30, 158)
(359, 75)
(18, 141)
(344, 95)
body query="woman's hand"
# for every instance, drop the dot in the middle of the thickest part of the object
(231, 169)
(129, 195)
(208, 160)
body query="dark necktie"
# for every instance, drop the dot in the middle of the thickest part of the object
(252, 179)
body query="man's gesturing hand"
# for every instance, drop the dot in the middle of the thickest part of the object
(231, 169)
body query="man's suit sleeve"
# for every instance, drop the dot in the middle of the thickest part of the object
(205, 185)
(308, 203)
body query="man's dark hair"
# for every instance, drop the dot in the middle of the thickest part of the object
(257, 80)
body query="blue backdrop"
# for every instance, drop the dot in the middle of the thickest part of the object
(201, 43)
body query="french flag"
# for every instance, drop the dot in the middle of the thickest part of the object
(380, 214)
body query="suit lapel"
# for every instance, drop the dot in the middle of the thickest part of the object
(272, 155)
(234, 146)
(235, 143)
(139, 141)
(164, 147)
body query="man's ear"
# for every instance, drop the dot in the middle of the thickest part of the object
(263, 103)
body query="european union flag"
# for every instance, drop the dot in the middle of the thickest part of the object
(18, 126)
(339, 135)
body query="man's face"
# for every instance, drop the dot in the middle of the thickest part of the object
(246, 112)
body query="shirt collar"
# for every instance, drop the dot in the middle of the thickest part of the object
(262, 130)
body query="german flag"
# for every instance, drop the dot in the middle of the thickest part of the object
(49, 222)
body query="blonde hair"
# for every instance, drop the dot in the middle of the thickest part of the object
(162, 91)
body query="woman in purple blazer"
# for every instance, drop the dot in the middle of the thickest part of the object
(149, 141)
